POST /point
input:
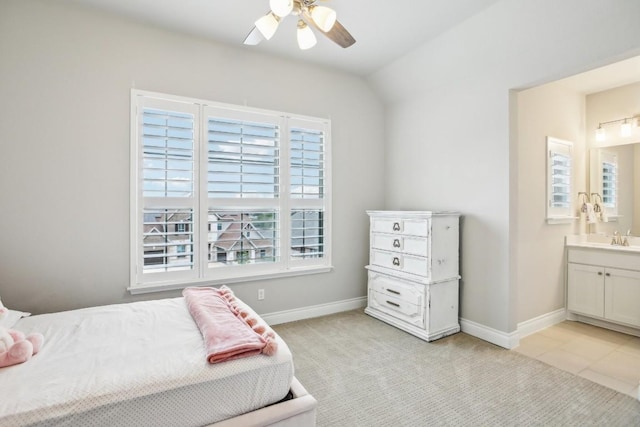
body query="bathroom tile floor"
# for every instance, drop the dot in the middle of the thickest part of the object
(606, 357)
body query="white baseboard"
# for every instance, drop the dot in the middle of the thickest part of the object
(539, 323)
(499, 338)
(314, 311)
(512, 339)
(494, 336)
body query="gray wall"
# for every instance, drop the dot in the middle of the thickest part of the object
(65, 80)
(451, 126)
(449, 141)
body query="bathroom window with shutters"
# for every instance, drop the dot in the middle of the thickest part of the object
(559, 181)
(609, 182)
(605, 175)
(224, 193)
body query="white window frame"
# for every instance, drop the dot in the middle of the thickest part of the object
(201, 274)
(559, 214)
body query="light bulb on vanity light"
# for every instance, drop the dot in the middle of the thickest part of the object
(625, 128)
(600, 134)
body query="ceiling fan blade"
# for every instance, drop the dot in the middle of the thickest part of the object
(338, 34)
(254, 37)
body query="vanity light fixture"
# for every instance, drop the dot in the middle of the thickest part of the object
(626, 124)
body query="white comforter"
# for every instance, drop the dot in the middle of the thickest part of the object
(134, 364)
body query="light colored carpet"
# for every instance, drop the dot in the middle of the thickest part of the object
(364, 372)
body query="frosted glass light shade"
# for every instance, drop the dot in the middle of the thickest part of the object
(281, 7)
(267, 25)
(600, 134)
(625, 129)
(306, 38)
(324, 17)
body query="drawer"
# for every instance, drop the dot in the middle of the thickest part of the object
(400, 262)
(605, 258)
(412, 227)
(397, 288)
(400, 309)
(405, 244)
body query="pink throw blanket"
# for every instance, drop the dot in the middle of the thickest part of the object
(227, 329)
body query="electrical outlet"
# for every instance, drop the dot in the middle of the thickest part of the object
(260, 294)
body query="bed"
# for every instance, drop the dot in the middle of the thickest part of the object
(144, 364)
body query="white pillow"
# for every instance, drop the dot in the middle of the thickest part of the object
(12, 318)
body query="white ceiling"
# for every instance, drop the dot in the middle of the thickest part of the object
(384, 30)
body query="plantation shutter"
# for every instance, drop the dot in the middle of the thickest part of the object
(243, 159)
(243, 189)
(559, 178)
(168, 177)
(307, 190)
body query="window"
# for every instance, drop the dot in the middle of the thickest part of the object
(559, 181)
(224, 193)
(607, 173)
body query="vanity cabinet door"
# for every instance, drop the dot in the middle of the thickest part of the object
(622, 296)
(585, 289)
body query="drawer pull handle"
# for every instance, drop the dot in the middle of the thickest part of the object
(607, 274)
(396, 226)
(393, 304)
(396, 243)
(396, 261)
(599, 273)
(393, 291)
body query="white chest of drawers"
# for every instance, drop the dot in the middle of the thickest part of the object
(414, 271)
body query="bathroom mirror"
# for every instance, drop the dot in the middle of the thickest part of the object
(614, 174)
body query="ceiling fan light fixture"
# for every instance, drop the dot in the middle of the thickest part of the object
(323, 16)
(306, 38)
(267, 25)
(281, 8)
(254, 37)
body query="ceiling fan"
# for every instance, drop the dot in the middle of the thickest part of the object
(309, 15)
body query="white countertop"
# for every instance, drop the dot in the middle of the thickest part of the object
(597, 241)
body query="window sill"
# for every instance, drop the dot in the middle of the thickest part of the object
(613, 218)
(162, 287)
(561, 219)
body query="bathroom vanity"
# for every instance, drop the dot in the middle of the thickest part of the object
(603, 284)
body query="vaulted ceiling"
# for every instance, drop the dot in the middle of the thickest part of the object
(384, 30)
